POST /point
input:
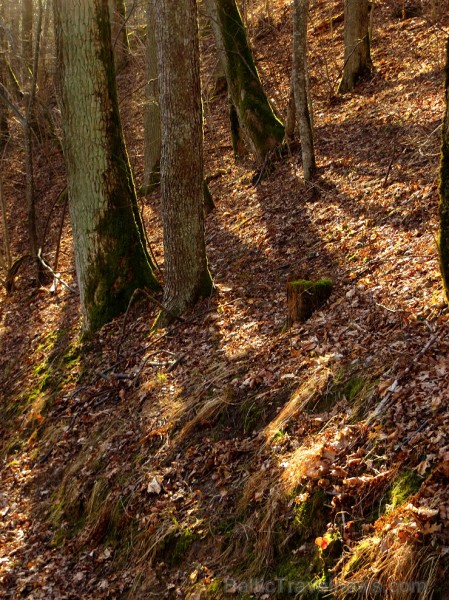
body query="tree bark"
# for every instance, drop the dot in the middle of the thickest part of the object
(357, 44)
(28, 144)
(152, 117)
(186, 273)
(290, 119)
(4, 127)
(110, 255)
(443, 242)
(119, 33)
(27, 34)
(305, 297)
(301, 87)
(261, 128)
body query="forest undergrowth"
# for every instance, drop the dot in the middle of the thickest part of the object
(229, 455)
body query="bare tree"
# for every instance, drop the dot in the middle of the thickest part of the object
(301, 86)
(27, 33)
(250, 108)
(357, 44)
(443, 242)
(186, 272)
(110, 255)
(152, 117)
(4, 129)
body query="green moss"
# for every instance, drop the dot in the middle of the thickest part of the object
(262, 128)
(360, 556)
(405, 484)
(123, 263)
(311, 515)
(177, 545)
(214, 587)
(312, 285)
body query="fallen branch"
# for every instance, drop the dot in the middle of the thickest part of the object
(55, 275)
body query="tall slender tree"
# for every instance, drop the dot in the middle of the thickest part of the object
(119, 32)
(357, 43)
(186, 272)
(110, 254)
(27, 34)
(301, 86)
(4, 128)
(443, 242)
(152, 116)
(250, 109)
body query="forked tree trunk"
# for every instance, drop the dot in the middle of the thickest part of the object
(110, 255)
(261, 128)
(186, 273)
(152, 117)
(357, 44)
(443, 243)
(301, 87)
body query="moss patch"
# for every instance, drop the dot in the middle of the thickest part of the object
(311, 515)
(403, 487)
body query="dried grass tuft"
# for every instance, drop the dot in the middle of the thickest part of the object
(310, 389)
(385, 567)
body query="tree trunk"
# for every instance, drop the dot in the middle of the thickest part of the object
(186, 273)
(27, 34)
(110, 255)
(152, 136)
(290, 119)
(261, 128)
(4, 128)
(357, 44)
(443, 243)
(305, 297)
(301, 87)
(46, 43)
(119, 33)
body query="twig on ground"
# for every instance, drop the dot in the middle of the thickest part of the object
(55, 275)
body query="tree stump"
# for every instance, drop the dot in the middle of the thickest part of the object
(304, 297)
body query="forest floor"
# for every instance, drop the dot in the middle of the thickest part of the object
(229, 455)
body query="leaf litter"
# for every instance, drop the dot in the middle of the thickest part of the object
(138, 475)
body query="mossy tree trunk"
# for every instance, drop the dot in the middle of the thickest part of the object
(444, 188)
(301, 87)
(119, 32)
(152, 116)
(186, 272)
(357, 44)
(110, 255)
(261, 128)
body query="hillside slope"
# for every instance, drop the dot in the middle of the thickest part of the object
(229, 455)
